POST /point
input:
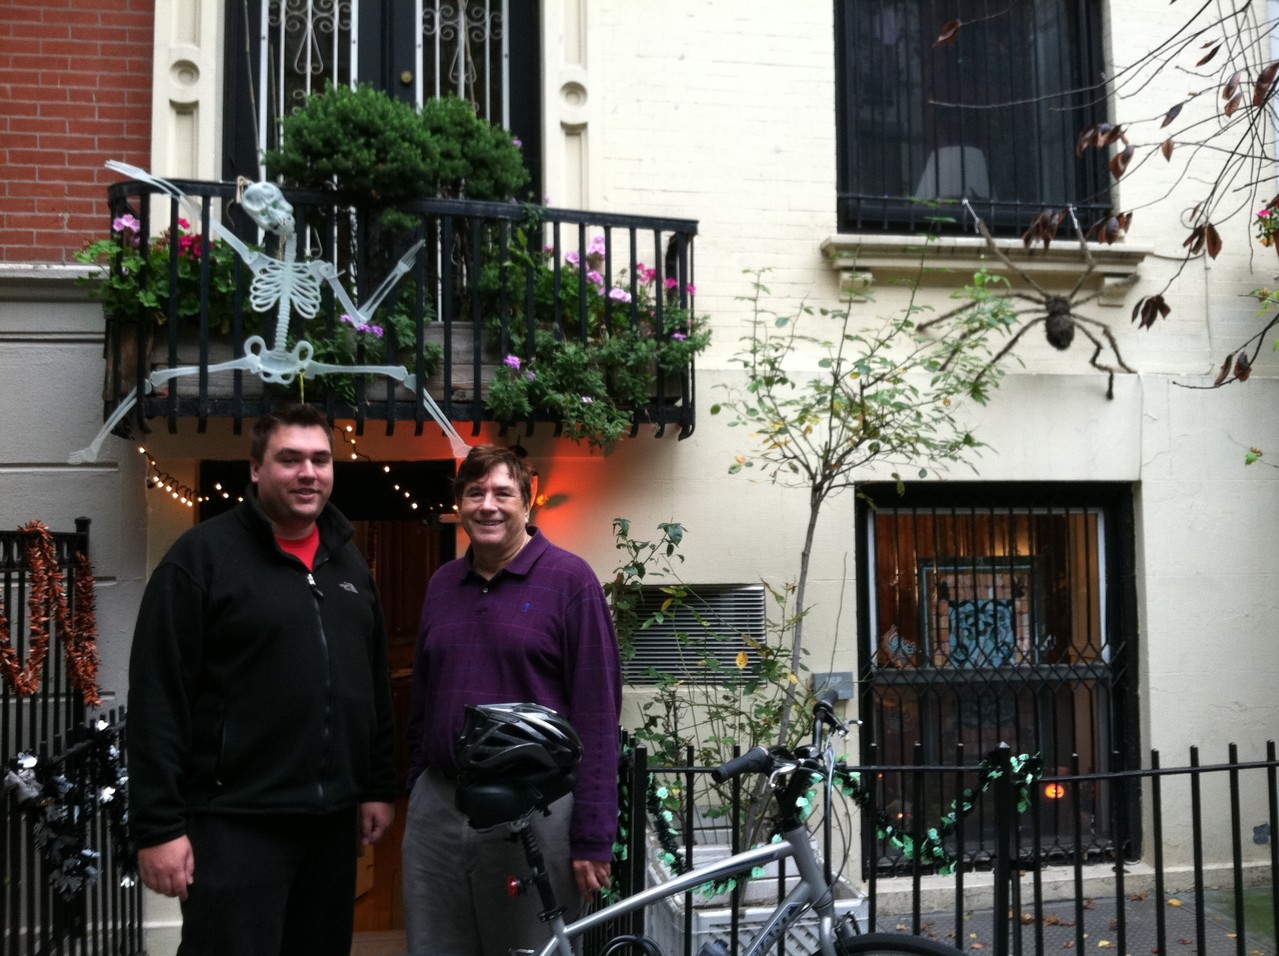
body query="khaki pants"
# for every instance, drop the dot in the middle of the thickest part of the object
(456, 901)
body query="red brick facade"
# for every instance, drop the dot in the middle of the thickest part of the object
(75, 81)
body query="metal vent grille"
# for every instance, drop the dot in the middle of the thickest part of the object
(702, 640)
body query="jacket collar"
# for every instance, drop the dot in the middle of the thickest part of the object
(335, 530)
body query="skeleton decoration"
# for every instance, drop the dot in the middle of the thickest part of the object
(285, 284)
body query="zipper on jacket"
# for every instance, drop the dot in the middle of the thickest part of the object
(328, 686)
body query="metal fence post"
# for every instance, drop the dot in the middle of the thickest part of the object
(1005, 823)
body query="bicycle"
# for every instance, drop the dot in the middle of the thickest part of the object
(791, 776)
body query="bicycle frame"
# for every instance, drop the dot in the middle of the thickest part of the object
(812, 889)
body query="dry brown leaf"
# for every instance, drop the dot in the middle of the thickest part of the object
(1214, 241)
(1210, 54)
(1166, 148)
(1119, 162)
(1243, 367)
(1171, 115)
(949, 33)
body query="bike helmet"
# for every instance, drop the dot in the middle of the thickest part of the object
(513, 759)
(511, 740)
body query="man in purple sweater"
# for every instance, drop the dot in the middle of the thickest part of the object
(514, 619)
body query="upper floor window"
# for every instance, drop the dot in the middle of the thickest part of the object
(279, 51)
(992, 116)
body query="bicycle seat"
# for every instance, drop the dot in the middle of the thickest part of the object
(488, 803)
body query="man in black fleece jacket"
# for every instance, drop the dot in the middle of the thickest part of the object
(260, 731)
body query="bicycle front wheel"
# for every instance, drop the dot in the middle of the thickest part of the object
(892, 944)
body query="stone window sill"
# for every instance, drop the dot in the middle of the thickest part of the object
(867, 261)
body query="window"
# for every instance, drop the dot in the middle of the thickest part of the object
(992, 116)
(1001, 614)
(485, 51)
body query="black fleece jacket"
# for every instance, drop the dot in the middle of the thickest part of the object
(254, 686)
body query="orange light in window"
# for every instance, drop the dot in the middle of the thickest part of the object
(1054, 791)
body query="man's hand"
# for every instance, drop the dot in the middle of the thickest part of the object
(168, 868)
(592, 876)
(375, 820)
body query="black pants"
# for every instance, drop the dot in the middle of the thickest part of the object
(271, 886)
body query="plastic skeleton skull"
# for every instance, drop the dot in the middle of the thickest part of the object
(287, 285)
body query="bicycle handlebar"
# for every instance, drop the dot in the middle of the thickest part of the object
(755, 760)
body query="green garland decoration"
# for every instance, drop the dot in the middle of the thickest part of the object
(1025, 770)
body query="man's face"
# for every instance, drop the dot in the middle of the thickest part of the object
(294, 477)
(493, 514)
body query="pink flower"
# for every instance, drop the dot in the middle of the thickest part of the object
(595, 279)
(619, 295)
(692, 289)
(671, 284)
(377, 330)
(572, 258)
(678, 336)
(126, 223)
(516, 142)
(598, 247)
(586, 400)
(511, 361)
(646, 275)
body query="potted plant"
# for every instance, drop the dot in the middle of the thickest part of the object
(143, 282)
(632, 354)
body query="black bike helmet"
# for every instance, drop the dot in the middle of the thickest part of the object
(514, 759)
(501, 741)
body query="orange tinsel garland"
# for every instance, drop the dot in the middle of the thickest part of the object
(47, 600)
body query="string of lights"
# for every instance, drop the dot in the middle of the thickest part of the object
(159, 479)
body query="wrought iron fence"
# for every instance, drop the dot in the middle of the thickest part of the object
(489, 279)
(62, 837)
(1206, 879)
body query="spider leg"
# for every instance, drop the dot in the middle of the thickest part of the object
(937, 320)
(1090, 264)
(999, 356)
(1001, 255)
(1081, 323)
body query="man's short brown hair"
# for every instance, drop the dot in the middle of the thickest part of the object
(306, 416)
(484, 458)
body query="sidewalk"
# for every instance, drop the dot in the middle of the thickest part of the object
(1098, 927)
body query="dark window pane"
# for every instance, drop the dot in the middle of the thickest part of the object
(991, 117)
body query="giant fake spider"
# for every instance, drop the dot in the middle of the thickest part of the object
(1058, 313)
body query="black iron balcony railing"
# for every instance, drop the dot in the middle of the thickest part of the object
(494, 288)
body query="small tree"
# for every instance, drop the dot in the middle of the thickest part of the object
(883, 397)
(820, 407)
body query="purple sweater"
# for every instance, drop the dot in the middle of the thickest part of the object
(540, 632)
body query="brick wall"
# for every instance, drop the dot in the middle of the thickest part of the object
(75, 84)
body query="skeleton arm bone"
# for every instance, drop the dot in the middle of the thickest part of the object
(254, 260)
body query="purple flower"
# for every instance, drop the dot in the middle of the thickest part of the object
(598, 246)
(377, 330)
(512, 361)
(595, 279)
(586, 399)
(531, 375)
(126, 223)
(678, 336)
(619, 295)
(516, 142)
(572, 258)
